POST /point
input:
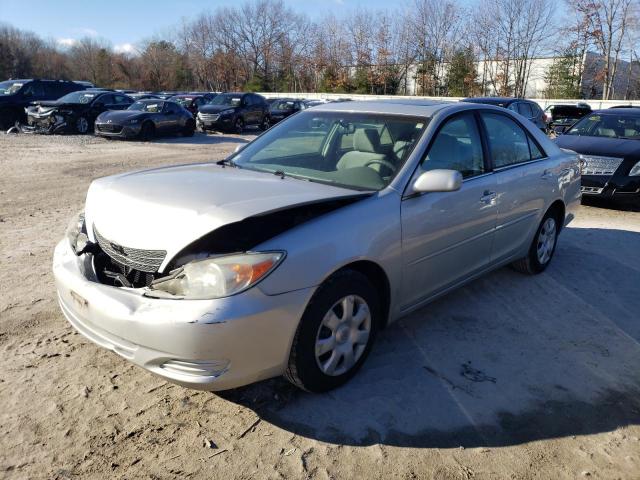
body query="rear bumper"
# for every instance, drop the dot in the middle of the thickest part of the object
(203, 344)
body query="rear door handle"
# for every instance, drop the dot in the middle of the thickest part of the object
(488, 197)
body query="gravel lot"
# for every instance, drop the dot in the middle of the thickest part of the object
(509, 377)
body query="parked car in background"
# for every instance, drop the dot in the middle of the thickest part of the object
(281, 108)
(561, 117)
(85, 83)
(146, 119)
(608, 142)
(207, 95)
(190, 101)
(16, 95)
(232, 112)
(167, 95)
(527, 108)
(335, 223)
(76, 112)
(314, 103)
(144, 96)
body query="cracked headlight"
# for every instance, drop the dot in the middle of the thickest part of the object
(77, 233)
(216, 277)
(635, 170)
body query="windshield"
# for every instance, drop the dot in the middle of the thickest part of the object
(152, 107)
(360, 151)
(608, 125)
(78, 97)
(226, 99)
(10, 87)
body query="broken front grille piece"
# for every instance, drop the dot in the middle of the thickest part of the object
(124, 266)
(144, 260)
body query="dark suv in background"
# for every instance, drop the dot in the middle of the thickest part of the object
(232, 112)
(527, 108)
(15, 95)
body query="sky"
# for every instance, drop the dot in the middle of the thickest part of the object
(126, 23)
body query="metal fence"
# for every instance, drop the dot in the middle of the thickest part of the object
(543, 102)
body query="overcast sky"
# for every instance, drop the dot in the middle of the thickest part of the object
(126, 22)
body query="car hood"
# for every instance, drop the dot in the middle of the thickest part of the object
(169, 208)
(216, 108)
(608, 147)
(121, 115)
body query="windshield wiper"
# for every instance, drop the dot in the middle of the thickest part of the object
(227, 162)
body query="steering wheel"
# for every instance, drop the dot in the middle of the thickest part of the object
(384, 163)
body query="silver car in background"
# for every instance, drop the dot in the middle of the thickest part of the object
(292, 254)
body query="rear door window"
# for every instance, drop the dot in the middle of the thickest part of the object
(509, 143)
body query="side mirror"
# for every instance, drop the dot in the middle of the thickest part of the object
(439, 180)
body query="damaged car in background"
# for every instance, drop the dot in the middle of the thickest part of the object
(289, 257)
(76, 112)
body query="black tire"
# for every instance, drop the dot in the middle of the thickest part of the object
(83, 125)
(148, 131)
(266, 123)
(238, 126)
(189, 129)
(303, 368)
(532, 263)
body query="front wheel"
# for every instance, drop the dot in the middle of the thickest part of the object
(335, 334)
(542, 248)
(82, 125)
(266, 123)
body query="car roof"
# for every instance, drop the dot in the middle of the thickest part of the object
(417, 107)
(494, 100)
(618, 111)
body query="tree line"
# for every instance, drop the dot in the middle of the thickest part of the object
(426, 47)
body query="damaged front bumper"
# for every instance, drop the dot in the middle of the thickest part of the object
(45, 123)
(204, 344)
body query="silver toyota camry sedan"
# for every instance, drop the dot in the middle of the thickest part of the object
(290, 256)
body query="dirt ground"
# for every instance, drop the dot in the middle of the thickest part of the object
(510, 377)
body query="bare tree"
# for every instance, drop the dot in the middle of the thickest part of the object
(608, 22)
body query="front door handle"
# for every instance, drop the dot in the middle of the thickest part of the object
(488, 197)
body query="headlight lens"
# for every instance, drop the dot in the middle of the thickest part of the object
(77, 232)
(217, 277)
(229, 111)
(635, 170)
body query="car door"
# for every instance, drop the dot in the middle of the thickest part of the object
(101, 104)
(120, 102)
(447, 236)
(169, 118)
(523, 176)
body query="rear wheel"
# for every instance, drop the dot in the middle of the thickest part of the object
(239, 126)
(335, 334)
(542, 248)
(266, 123)
(148, 131)
(189, 129)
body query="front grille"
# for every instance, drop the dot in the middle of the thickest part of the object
(592, 190)
(209, 117)
(148, 261)
(596, 165)
(107, 127)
